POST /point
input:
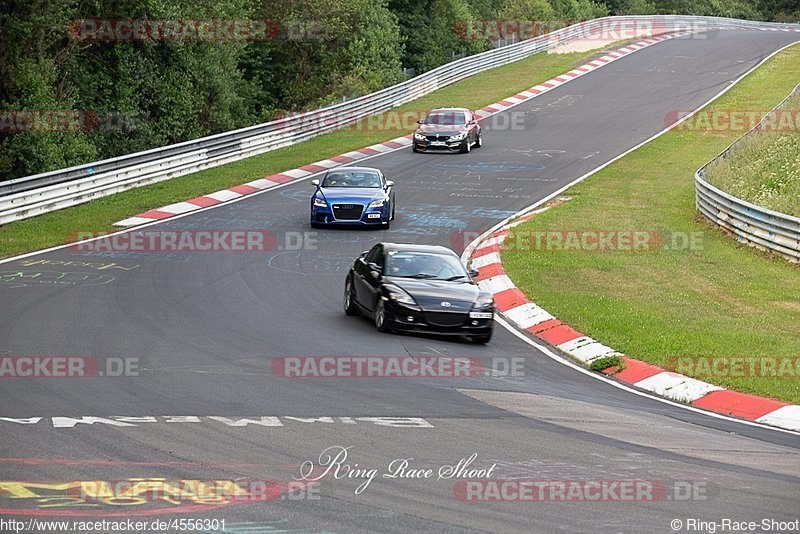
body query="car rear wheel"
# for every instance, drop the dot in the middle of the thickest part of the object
(350, 307)
(381, 321)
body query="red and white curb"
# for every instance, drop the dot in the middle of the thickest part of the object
(269, 182)
(527, 316)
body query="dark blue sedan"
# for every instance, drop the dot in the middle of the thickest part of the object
(352, 196)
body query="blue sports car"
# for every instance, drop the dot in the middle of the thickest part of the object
(352, 196)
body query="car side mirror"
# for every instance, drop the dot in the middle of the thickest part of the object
(389, 184)
(374, 270)
(474, 272)
(419, 121)
(315, 182)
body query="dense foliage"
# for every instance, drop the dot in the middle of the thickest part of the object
(134, 94)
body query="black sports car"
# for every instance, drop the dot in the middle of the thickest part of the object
(420, 288)
(451, 129)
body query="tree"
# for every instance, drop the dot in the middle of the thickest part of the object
(433, 31)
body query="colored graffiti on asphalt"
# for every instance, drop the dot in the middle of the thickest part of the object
(129, 497)
(31, 278)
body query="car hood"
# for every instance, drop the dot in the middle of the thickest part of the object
(352, 194)
(430, 294)
(443, 129)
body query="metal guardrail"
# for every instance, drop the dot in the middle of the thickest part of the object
(41, 193)
(756, 226)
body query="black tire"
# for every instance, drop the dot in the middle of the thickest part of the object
(314, 225)
(466, 146)
(482, 340)
(380, 317)
(392, 217)
(479, 140)
(350, 307)
(414, 148)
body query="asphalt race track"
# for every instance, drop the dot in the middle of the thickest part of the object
(206, 328)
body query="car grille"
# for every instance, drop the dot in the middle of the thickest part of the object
(347, 211)
(445, 318)
(437, 137)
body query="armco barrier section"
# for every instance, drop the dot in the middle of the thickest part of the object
(751, 224)
(33, 195)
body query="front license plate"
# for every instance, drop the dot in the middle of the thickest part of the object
(373, 215)
(437, 143)
(480, 315)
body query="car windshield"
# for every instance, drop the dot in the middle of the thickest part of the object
(425, 266)
(447, 118)
(352, 179)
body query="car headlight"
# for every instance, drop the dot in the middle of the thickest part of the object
(398, 295)
(318, 202)
(418, 136)
(458, 136)
(485, 301)
(377, 203)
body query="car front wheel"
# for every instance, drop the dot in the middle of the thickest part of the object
(381, 321)
(479, 140)
(350, 307)
(466, 146)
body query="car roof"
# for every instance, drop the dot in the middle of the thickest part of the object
(449, 109)
(362, 169)
(413, 247)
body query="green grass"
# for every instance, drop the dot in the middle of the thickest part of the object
(99, 215)
(765, 167)
(718, 299)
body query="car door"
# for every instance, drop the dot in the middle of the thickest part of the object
(472, 124)
(363, 278)
(390, 190)
(373, 282)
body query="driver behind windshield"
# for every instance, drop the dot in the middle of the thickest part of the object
(447, 119)
(421, 265)
(351, 180)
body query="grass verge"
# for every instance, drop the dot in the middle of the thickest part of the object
(765, 167)
(713, 299)
(99, 215)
